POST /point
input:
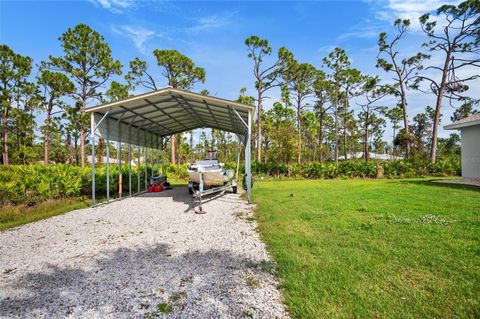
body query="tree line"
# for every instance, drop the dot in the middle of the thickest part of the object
(324, 113)
(318, 102)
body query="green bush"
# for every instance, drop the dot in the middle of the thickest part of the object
(415, 168)
(172, 171)
(358, 169)
(31, 184)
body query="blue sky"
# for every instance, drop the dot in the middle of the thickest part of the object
(213, 33)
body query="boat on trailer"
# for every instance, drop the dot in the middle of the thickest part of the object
(214, 174)
(208, 173)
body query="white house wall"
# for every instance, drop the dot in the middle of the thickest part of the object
(471, 151)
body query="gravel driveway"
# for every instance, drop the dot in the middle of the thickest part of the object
(142, 257)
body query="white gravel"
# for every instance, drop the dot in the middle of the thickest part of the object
(133, 257)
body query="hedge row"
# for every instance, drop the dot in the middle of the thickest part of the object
(31, 184)
(359, 169)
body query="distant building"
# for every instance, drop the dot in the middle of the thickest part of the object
(114, 160)
(373, 156)
(470, 136)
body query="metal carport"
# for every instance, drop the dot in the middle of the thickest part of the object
(148, 120)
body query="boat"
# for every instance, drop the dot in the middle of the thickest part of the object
(212, 172)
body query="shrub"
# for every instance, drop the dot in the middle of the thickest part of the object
(358, 169)
(31, 184)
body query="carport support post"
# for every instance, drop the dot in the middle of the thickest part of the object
(119, 160)
(92, 139)
(138, 160)
(157, 151)
(146, 161)
(129, 161)
(163, 156)
(108, 158)
(248, 168)
(151, 148)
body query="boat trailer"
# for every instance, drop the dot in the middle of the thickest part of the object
(198, 194)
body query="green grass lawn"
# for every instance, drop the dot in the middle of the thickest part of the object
(373, 248)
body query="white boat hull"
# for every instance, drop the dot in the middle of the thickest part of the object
(212, 177)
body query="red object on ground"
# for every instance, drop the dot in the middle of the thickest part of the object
(150, 188)
(158, 188)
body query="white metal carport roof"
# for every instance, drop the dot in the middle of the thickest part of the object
(169, 111)
(145, 119)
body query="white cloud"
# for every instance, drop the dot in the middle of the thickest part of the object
(115, 6)
(210, 22)
(408, 9)
(326, 49)
(387, 12)
(367, 31)
(138, 35)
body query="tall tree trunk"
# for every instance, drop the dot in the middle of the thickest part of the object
(100, 151)
(16, 144)
(345, 137)
(438, 109)
(82, 127)
(5, 145)
(299, 123)
(393, 143)
(345, 111)
(68, 142)
(320, 139)
(213, 139)
(403, 102)
(191, 147)
(5, 135)
(406, 128)
(365, 139)
(46, 141)
(173, 143)
(267, 147)
(314, 150)
(82, 145)
(336, 129)
(259, 126)
(75, 143)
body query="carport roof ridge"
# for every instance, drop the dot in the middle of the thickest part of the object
(169, 111)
